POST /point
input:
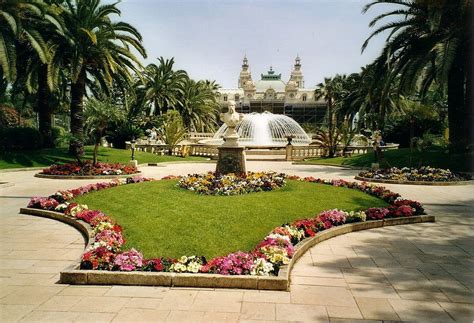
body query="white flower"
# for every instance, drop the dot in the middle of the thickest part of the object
(261, 267)
(194, 267)
(178, 267)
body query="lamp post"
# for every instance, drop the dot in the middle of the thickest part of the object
(133, 162)
(133, 142)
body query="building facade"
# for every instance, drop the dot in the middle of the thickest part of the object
(272, 94)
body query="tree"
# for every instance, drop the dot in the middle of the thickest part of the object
(413, 110)
(101, 49)
(172, 131)
(17, 25)
(326, 91)
(198, 106)
(99, 114)
(164, 87)
(47, 80)
(430, 41)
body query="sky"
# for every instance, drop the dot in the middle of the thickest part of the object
(209, 38)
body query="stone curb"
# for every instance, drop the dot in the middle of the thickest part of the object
(390, 181)
(21, 169)
(39, 175)
(348, 167)
(74, 276)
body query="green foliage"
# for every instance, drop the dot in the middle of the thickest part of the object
(428, 44)
(328, 139)
(433, 156)
(124, 132)
(98, 115)
(60, 136)
(20, 138)
(414, 120)
(47, 157)
(170, 224)
(9, 117)
(172, 130)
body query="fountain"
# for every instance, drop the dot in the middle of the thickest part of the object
(264, 130)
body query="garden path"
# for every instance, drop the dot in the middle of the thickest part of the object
(411, 272)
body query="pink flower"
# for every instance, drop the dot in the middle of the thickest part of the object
(128, 260)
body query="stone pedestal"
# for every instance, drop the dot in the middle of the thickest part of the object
(289, 152)
(231, 160)
(133, 163)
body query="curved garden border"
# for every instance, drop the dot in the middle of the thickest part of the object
(73, 275)
(40, 175)
(391, 181)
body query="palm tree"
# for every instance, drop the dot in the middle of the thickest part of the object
(48, 80)
(17, 25)
(101, 49)
(163, 86)
(198, 106)
(430, 41)
(327, 91)
(99, 114)
(172, 131)
(413, 110)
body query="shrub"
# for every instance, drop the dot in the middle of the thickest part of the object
(20, 138)
(398, 130)
(60, 136)
(124, 133)
(9, 117)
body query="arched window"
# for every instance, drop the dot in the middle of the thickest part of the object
(304, 97)
(225, 98)
(270, 94)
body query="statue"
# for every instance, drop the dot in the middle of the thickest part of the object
(231, 158)
(231, 118)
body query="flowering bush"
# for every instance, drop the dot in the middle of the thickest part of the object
(400, 211)
(191, 264)
(73, 208)
(98, 258)
(416, 206)
(238, 263)
(335, 216)
(261, 267)
(377, 213)
(128, 260)
(44, 203)
(232, 184)
(356, 216)
(88, 169)
(274, 251)
(158, 264)
(422, 174)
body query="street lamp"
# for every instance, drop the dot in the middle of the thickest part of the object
(133, 142)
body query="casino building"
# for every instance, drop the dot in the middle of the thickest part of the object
(271, 93)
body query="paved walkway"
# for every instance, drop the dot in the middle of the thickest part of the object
(419, 272)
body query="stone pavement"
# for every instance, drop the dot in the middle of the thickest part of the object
(420, 272)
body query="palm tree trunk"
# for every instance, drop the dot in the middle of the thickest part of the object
(96, 152)
(44, 107)
(459, 114)
(78, 91)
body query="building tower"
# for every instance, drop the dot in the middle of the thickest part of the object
(296, 74)
(245, 74)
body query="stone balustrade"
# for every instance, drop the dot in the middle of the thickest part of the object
(292, 153)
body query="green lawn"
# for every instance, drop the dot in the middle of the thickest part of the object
(46, 157)
(435, 157)
(161, 219)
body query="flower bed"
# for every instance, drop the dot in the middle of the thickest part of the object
(274, 251)
(232, 184)
(89, 169)
(422, 174)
